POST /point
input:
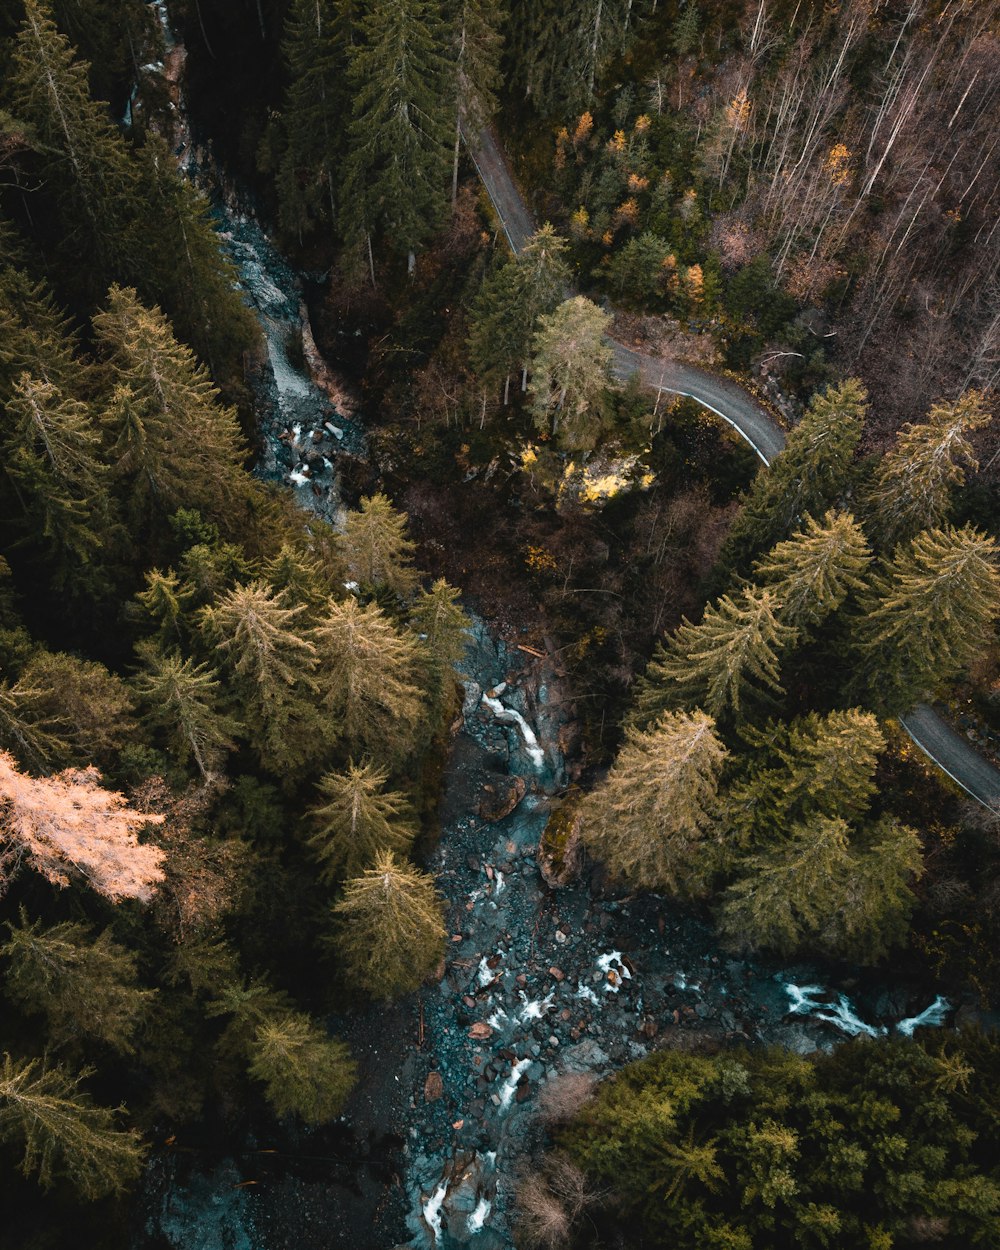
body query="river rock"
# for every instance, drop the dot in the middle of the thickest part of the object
(480, 1031)
(433, 1086)
(499, 801)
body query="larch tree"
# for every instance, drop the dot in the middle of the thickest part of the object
(733, 652)
(304, 1072)
(444, 631)
(378, 553)
(63, 1133)
(399, 138)
(358, 820)
(37, 743)
(87, 987)
(169, 439)
(811, 475)
(36, 337)
(813, 572)
(183, 700)
(653, 818)
(929, 613)
(916, 480)
(92, 706)
(68, 826)
(390, 929)
(370, 675)
(271, 659)
(571, 373)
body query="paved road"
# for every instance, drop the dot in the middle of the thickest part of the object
(727, 399)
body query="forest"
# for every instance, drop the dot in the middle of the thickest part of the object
(499, 674)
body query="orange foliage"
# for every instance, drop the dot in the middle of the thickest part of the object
(68, 825)
(626, 214)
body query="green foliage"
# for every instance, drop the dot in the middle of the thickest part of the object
(62, 1132)
(858, 1147)
(86, 987)
(359, 820)
(390, 927)
(443, 629)
(653, 817)
(305, 1073)
(377, 552)
(813, 572)
(571, 373)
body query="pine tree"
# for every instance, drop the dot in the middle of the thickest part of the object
(67, 826)
(84, 161)
(36, 337)
(272, 662)
(732, 652)
(51, 453)
(301, 578)
(390, 928)
(316, 45)
(183, 699)
(813, 891)
(304, 1072)
(379, 555)
(85, 986)
(477, 69)
(62, 1132)
(395, 178)
(571, 373)
(652, 818)
(813, 572)
(164, 602)
(359, 820)
(443, 629)
(916, 481)
(370, 674)
(810, 476)
(816, 766)
(929, 614)
(92, 707)
(170, 440)
(36, 743)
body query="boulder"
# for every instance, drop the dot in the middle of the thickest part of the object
(433, 1087)
(499, 801)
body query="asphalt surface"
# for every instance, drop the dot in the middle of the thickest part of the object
(728, 400)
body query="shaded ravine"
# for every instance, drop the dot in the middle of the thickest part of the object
(976, 775)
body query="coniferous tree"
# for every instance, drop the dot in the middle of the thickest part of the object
(378, 553)
(443, 629)
(85, 986)
(35, 337)
(733, 651)
(36, 742)
(304, 1072)
(810, 476)
(395, 177)
(169, 438)
(62, 1132)
(813, 572)
(390, 927)
(478, 43)
(359, 820)
(183, 699)
(92, 707)
(652, 818)
(929, 614)
(370, 675)
(272, 662)
(916, 481)
(302, 578)
(571, 373)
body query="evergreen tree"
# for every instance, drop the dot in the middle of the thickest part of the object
(164, 603)
(811, 475)
(301, 578)
(370, 675)
(307, 149)
(51, 454)
(813, 572)
(652, 818)
(929, 614)
(83, 161)
(35, 337)
(390, 927)
(916, 480)
(359, 820)
(477, 68)
(396, 172)
(85, 986)
(91, 706)
(733, 651)
(305, 1073)
(272, 662)
(444, 631)
(379, 555)
(62, 1132)
(183, 699)
(571, 373)
(36, 743)
(170, 440)
(812, 890)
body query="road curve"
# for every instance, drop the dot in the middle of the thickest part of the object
(728, 400)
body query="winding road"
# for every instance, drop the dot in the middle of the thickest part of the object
(728, 400)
